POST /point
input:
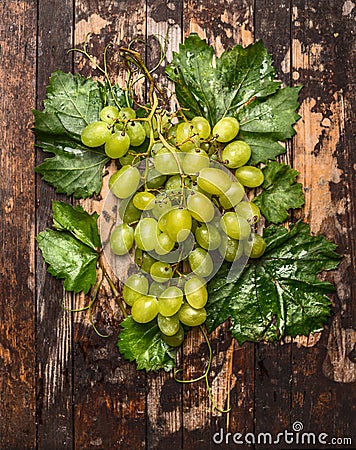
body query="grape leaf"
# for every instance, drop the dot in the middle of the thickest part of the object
(280, 192)
(142, 342)
(239, 83)
(278, 294)
(73, 169)
(70, 251)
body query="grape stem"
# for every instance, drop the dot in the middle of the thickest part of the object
(205, 376)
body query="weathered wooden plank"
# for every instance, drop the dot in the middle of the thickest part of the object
(54, 325)
(223, 25)
(17, 325)
(322, 47)
(273, 361)
(110, 394)
(164, 396)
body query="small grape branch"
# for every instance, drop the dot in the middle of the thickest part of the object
(191, 186)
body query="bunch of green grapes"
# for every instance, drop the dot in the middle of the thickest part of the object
(183, 211)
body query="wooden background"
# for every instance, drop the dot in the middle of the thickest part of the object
(62, 386)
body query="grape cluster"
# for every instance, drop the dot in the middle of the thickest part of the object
(183, 211)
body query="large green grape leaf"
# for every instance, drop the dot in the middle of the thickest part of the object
(280, 192)
(278, 294)
(71, 250)
(142, 342)
(239, 83)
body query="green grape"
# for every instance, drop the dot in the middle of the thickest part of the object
(146, 234)
(135, 287)
(144, 260)
(249, 211)
(154, 179)
(230, 249)
(176, 340)
(162, 222)
(127, 113)
(214, 181)
(136, 133)
(234, 226)
(156, 288)
(162, 205)
(164, 244)
(168, 325)
(195, 292)
(186, 136)
(121, 239)
(170, 301)
(208, 237)
(127, 159)
(172, 134)
(161, 271)
(226, 129)
(236, 154)
(255, 246)
(195, 160)
(174, 183)
(202, 127)
(117, 145)
(109, 114)
(200, 207)
(144, 200)
(200, 262)
(145, 309)
(167, 162)
(232, 196)
(95, 134)
(249, 176)
(125, 181)
(128, 211)
(178, 224)
(190, 316)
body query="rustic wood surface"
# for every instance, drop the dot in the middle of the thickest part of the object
(61, 385)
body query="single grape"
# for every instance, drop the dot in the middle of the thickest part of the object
(178, 224)
(236, 154)
(208, 237)
(125, 181)
(155, 179)
(128, 211)
(109, 114)
(255, 246)
(144, 200)
(161, 271)
(174, 183)
(156, 289)
(95, 134)
(249, 211)
(136, 133)
(170, 301)
(127, 159)
(200, 207)
(127, 113)
(234, 226)
(213, 180)
(195, 292)
(145, 309)
(190, 316)
(202, 127)
(117, 145)
(232, 196)
(121, 239)
(195, 160)
(176, 340)
(168, 325)
(167, 162)
(146, 234)
(144, 260)
(249, 176)
(135, 287)
(164, 244)
(231, 249)
(226, 129)
(186, 136)
(200, 262)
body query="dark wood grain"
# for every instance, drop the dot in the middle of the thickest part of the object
(17, 282)
(62, 385)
